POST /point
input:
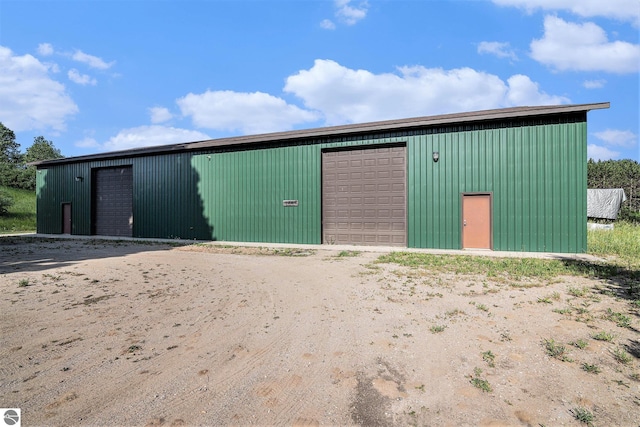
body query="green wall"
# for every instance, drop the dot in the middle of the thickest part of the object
(536, 173)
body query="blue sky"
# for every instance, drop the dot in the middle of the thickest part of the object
(104, 75)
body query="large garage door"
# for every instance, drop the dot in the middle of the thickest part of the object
(113, 201)
(364, 196)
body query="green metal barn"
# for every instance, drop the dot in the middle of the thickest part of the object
(509, 179)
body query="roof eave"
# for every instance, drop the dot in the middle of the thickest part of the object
(387, 125)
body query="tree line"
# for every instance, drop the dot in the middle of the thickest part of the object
(623, 174)
(15, 168)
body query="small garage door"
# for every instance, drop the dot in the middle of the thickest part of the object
(113, 201)
(364, 196)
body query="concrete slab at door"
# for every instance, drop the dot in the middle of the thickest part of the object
(66, 218)
(476, 221)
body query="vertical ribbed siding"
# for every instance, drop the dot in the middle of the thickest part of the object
(537, 175)
(243, 191)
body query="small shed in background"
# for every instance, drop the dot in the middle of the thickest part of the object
(508, 179)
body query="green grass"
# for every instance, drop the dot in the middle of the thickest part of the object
(480, 382)
(435, 329)
(623, 241)
(603, 336)
(556, 350)
(21, 216)
(583, 415)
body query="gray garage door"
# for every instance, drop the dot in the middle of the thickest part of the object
(113, 201)
(364, 197)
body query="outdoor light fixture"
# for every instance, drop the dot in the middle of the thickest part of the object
(436, 156)
(79, 179)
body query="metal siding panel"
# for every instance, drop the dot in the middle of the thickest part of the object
(534, 180)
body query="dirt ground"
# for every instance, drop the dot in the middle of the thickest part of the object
(112, 333)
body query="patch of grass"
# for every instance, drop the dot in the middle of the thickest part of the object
(513, 270)
(489, 357)
(480, 382)
(436, 329)
(566, 310)
(623, 241)
(454, 312)
(556, 350)
(23, 283)
(603, 336)
(345, 254)
(21, 216)
(578, 292)
(482, 307)
(592, 369)
(583, 415)
(581, 344)
(621, 356)
(622, 320)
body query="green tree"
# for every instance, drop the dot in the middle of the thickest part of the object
(623, 174)
(9, 156)
(9, 148)
(41, 149)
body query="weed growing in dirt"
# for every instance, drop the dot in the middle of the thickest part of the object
(480, 382)
(435, 329)
(345, 254)
(578, 292)
(621, 356)
(581, 344)
(592, 369)
(566, 310)
(550, 298)
(603, 336)
(556, 350)
(583, 415)
(621, 320)
(489, 357)
(482, 307)
(23, 283)
(454, 312)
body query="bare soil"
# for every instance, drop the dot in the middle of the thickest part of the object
(113, 333)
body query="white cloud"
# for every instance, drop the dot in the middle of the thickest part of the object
(344, 95)
(623, 10)
(583, 47)
(501, 50)
(327, 24)
(594, 84)
(620, 138)
(249, 113)
(30, 98)
(160, 115)
(45, 49)
(349, 14)
(523, 91)
(87, 143)
(146, 136)
(81, 79)
(597, 152)
(91, 61)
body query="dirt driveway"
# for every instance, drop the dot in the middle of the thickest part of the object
(112, 333)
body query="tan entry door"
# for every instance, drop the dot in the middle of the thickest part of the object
(476, 221)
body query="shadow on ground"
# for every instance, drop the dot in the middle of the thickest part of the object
(38, 254)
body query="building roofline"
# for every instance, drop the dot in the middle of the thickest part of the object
(387, 125)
